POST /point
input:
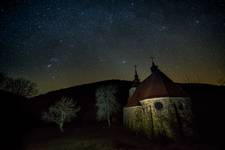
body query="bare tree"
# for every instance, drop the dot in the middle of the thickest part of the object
(21, 86)
(106, 103)
(62, 111)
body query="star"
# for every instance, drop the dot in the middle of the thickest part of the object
(162, 28)
(132, 3)
(197, 21)
(59, 37)
(49, 65)
(39, 27)
(82, 13)
(124, 62)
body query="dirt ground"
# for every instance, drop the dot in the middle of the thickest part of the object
(99, 138)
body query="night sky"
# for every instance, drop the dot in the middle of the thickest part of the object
(62, 43)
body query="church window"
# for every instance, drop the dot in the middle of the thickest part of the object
(180, 106)
(158, 105)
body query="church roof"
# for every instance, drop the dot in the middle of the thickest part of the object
(156, 85)
(136, 80)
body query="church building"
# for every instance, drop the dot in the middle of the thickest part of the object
(158, 107)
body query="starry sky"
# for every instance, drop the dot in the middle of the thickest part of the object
(62, 43)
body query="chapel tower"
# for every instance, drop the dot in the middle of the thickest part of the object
(159, 107)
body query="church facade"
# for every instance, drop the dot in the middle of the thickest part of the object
(158, 107)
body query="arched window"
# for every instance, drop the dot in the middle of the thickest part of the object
(158, 105)
(180, 106)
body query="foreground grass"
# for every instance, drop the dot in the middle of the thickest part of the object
(100, 139)
(73, 144)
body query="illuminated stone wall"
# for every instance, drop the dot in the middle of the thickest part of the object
(132, 118)
(183, 107)
(171, 116)
(160, 116)
(168, 116)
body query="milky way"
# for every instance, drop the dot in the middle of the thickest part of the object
(58, 44)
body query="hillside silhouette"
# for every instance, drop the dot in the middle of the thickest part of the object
(207, 105)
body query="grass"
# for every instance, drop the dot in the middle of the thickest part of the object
(73, 144)
(93, 138)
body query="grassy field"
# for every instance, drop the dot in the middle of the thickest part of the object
(100, 139)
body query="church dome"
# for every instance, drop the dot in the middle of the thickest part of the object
(154, 86)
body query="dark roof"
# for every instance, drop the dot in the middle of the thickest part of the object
(156, 85)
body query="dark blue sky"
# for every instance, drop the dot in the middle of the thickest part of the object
(63, 43)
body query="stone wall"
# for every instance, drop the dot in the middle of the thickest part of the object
(184, 113)
(169, 116)
(132, 118)
(162, 118)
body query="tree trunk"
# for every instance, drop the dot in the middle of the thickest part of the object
(108, 119)
(62, 121)
(61, 127)
(109, 123)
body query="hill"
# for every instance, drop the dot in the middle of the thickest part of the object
(207, 104)
(15, 120)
